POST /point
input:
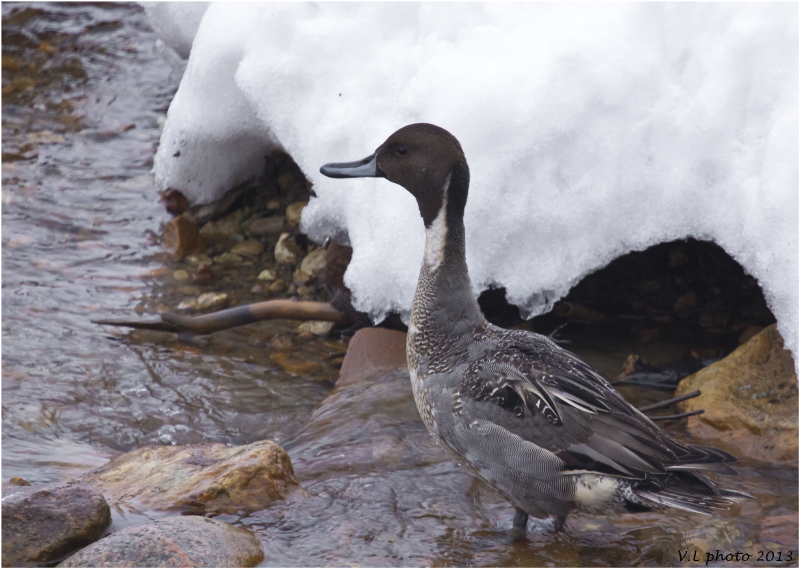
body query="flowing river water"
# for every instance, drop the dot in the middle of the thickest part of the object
(84, 90)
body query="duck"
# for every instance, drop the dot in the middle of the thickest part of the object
(532, 420)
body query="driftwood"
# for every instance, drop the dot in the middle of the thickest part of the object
(238, 316)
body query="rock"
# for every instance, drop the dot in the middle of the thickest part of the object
(183, 541)
(266, 226)
(287, 250)
(266, 275)
(199, 259)
(277, 287)
(294, 212)
(17, 481)
(251, 247)
(303, 290)
(207, 300)
(686, 302)
(294, 367)
(44, 525)
(319, 327)
(314, 263)
(372, 352)
(299, 278)
(228, 259)
(337, 258)
(181, 237)
(273, 205)
(750, 400)
(748, 333)
(203, 276)
(174, 201)
(223, 228)
(198, 479)
(181, 275)
(781, 529)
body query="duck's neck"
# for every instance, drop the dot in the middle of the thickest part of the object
(444, 292)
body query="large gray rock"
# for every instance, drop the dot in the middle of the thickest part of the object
(184, 541)
(41, 525)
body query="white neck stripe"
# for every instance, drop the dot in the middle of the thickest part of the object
(435, 234)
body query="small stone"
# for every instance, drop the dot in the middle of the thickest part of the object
(299, 278)
(319, 327)
(294, 212)
(291, 290)
(686, 302)
(287, 250)
(181, 237)
(17, 481)
(205, 301)
(182, 541)
(281, 343)
(203, 276)
(266, 275)
(43, 525)
(272, 205)
(251, 247)
(303, 290)
(294, 367)
(266, 226)
(174, 201)
(191, 290)
(277, 287)
(221, 229)
(199, 259)
(314, 263)
(257, 289)
(304, 337)
(228, 259)
(180, 275)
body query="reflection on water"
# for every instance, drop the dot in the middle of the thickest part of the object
(83, 93)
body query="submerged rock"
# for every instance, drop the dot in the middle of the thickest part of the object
(314, 263)
(266, 226)
(184, 541)
(251, 248)
(287, 250)
(41, 525)
(750, 400)
(372, 352)
(200, 479)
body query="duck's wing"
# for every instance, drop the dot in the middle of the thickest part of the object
(548, 396)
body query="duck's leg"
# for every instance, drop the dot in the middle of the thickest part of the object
(559, 522)
(520, 524)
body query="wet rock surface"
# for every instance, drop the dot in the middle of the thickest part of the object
(44, 524)
(199, 479)
(189, 541)
(750, 400)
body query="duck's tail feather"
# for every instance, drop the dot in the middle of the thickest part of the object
(686, 490)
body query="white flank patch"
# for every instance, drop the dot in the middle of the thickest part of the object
(593, 491)
(435, 234)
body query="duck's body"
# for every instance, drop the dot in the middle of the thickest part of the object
(532, 420)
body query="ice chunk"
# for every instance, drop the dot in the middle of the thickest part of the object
(176, 22)
(591, 130)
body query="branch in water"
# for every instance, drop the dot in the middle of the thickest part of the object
(238, 316)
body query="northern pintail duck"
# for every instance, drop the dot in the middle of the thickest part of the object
(532, 420)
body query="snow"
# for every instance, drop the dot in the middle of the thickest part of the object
(591, 130)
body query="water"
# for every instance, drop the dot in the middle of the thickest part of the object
(80, 241)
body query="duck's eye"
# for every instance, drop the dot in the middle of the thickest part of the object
(401, 150)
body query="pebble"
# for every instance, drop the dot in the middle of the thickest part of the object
(17, 481)
(266, 226)
(199, 259)
(277, 287)
(207, 300)
(266, 275)
(180, 275)
(314, 263)
(319, 327)
(294, 212)
(250, 247)
(228, 258)
(299, 278)
(222, 228)
(294, 367)
(272, 205)
(203, 276)
(181, 237)
(287, 250)
(303, 290)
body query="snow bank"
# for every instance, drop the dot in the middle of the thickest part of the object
(591, 130)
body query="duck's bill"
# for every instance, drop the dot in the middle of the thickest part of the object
(365, 168)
